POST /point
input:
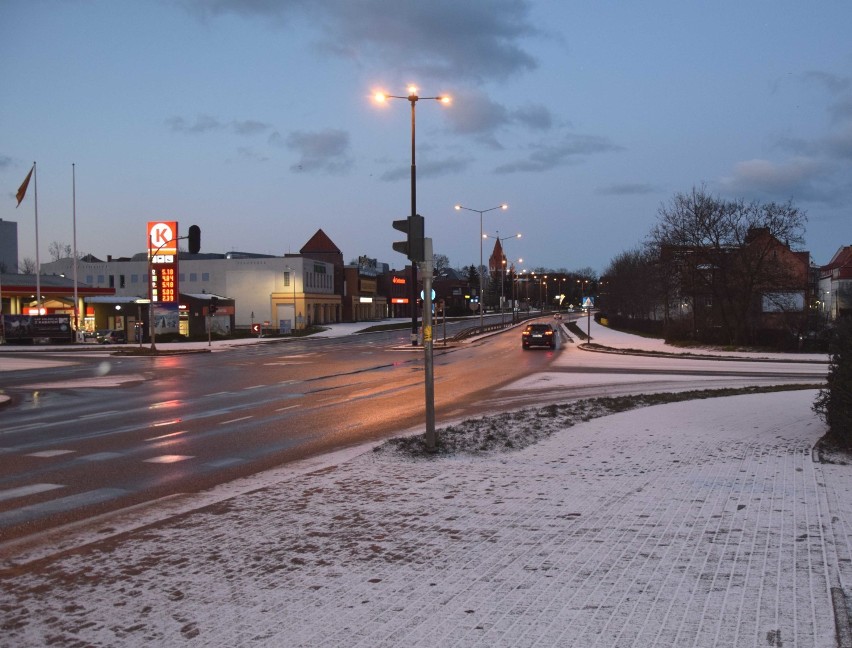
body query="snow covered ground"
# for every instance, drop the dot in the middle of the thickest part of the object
(703, 523)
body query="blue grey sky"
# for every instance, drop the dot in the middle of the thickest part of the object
(254, 120)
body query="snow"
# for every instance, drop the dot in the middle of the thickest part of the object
(700, 523)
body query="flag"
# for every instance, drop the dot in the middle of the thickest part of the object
(22, 190)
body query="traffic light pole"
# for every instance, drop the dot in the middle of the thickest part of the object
(413, 296)
(428, 346)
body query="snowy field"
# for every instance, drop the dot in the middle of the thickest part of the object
(704, 523)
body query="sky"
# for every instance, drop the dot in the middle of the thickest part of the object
(254, 120)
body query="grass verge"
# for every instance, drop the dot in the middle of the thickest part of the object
(510, 431)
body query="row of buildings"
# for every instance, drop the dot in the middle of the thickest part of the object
(278, 293)
(760, 292)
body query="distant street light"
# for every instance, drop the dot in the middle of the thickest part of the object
(504, 206)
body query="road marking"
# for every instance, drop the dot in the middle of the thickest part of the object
(98, 414)
(222, 463)
(242, 418)
(168, 459)
(166, 436)
(253, 387)
(101, 456)
(61, 505)
(23, 491)
(50, 453)
(281, 409)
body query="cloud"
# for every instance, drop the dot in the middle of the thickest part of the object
(249, 127)
(473, 40)
(834, 83)
(207, 124)
(320, 151)
(537, 117)
(569, 150)
(202, 124)
(626, 189)
(800, 178)
(429, 169)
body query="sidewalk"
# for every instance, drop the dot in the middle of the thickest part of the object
(703, 523)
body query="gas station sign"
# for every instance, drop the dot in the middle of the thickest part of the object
(163, 261)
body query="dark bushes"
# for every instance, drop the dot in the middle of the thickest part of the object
(834, 403)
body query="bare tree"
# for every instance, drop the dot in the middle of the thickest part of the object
(59, 251)
(440, 262)
(723, 255)
(631, 285)
(27, 266)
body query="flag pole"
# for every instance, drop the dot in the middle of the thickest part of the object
(74, 240)
(38, 264)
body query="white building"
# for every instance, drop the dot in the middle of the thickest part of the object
(264, 288)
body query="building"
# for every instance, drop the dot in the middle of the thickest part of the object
(361, 298)
(759, 292)
(8, 247)
(834, 291)
(264, 288)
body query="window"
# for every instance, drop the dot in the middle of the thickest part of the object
(193, 276)
(112, 281)
(134, 278)
(121, 282)
(100, 279)
(205, 276)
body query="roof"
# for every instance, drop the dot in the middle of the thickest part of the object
(48, 284)
(320, 243)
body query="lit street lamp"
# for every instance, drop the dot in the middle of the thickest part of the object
(413, 98)
(502, 265)
(504, 206)
(431, 438)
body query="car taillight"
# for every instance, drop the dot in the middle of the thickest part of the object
(548, 332)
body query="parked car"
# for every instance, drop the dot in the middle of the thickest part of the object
(538, 335)
(111, 337)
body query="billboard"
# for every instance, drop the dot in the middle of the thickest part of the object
(20, 328)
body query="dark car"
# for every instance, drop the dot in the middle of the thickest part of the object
(538, 335)
(111, 337)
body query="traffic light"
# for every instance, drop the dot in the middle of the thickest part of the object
(214, 305)
(194, 239)
(413, 247)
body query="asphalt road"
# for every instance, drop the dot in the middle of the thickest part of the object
(106, 432)
(101, 433)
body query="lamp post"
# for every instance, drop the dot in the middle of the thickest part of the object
(429, 380)
(504, 206)
(502, 265)
(413, 98)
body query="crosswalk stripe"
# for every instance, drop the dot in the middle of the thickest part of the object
(23, 491)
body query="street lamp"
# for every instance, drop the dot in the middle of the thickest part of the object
(502, 266)
(413, 98)
(504, 206)
(429, 380)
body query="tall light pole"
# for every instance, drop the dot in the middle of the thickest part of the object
(504, 206)
(502, 265)
(413, 98)
(427, 260)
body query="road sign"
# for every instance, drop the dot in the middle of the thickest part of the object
(588, 302)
